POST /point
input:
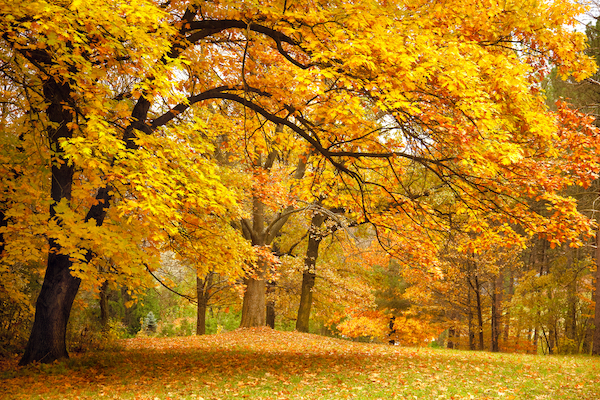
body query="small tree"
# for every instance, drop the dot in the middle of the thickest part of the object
(150, 322)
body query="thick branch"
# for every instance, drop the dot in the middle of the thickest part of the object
(203, 29)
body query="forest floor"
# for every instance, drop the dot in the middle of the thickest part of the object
(265, 364)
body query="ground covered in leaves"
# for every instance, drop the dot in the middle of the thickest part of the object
(266, 364)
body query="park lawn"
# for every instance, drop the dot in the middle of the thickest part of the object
(265, 364)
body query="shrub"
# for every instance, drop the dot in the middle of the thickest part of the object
(150, 323)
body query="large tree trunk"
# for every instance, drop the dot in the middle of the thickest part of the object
(596, 339)
(47, 341)
(309, 273)
(261, 233)
(255, 298)
(254, 304)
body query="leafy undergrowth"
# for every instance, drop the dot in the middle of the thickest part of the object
(266, 364)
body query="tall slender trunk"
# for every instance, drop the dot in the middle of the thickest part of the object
(470, 319)
(509, 293)
(270, 314)
(479, 312)
(596, 338)
(104, 305)
(572, 345)
(129, 319)
(309, 274)
(496, 311)
(203, 295)
(47, 341)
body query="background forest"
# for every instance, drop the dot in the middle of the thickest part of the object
(416, 173)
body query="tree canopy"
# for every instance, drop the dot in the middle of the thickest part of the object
(129, 128)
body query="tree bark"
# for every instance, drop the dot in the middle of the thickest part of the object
(270, 315)
(104, 305)
(495, 320)
(203, 294)
(309, 274)
(306, 296)
(254, 304)
(479, 312)
(469, 306)
(596, 338)
(509, 293)
(470, 321)
(47, 341)
(201, 317)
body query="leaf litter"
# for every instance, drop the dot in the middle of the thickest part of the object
(261, 363)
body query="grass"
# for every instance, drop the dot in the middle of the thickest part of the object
(265, 364)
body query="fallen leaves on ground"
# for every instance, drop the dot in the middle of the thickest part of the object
(261, 363)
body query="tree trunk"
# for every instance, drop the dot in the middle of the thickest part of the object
(203, 295)
(129, 319)
(270, 316)
(596, 339)
(479, 312)
(254, 304)
(495, 331)
(452, 336)
(470, 320)
(509, 294)
(47, 341)
(308, 276)
(104, 305)
(495, 320)
(306, 298)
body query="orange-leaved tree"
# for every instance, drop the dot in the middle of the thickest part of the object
(377, 89)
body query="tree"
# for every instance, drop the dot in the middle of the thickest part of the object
(584, 95)
(110, 90)
(308, 274)
(261, 231)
